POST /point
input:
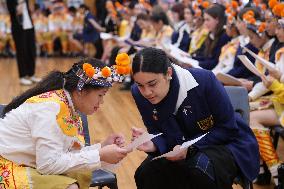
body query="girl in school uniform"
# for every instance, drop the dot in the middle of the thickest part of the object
(214, 21)
(182, 105)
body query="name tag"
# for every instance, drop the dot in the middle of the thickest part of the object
(206, 123)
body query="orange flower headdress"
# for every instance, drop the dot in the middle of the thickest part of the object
(103, 77)
(231, 11)
(253, 24)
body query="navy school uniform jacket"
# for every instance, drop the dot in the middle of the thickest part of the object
(209, 62)
(239, 70)
(185, 38)
(206, 108)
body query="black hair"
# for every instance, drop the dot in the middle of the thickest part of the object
(72, 9)
(85, 7)
(191, 10)
(55, 81)
(143, 16)
(160, 16)
(151, 60)
(179, 8)
(256, 12)
(216, 11)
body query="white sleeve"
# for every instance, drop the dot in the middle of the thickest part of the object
(257, 91)
(52, 153)
(51, 26)
(229, 64)
(280, 66)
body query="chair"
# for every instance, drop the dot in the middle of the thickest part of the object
(100, 177)
(239, 100)
(276, 132)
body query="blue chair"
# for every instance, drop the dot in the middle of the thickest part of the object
(240, 102)
(100, 177)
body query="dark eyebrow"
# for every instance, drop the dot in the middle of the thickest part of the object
(147, 82)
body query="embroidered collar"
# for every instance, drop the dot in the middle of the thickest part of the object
(70, 102)
(268, 44)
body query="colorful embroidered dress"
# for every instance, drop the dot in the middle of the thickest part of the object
(42, 145)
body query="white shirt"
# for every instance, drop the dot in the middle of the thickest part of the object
(30, 135)
(27, 23)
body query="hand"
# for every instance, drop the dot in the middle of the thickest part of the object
(117, 139)
(275, 73)
(180, 156)
(267, 80)
(246, 84)
(20, 8)
(112, 153)
(147, 146)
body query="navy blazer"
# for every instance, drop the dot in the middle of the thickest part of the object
(206, 108)
(209, 62)
(185, 41)
(239, 70)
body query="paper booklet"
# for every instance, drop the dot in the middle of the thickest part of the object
(265, 63)
(249, 65)
(106, 36)
(180, 55)
(184, 146)
(227, 79)
(145, 137)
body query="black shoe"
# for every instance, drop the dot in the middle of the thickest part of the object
(263, 178)
(280, 177)
(279, 186)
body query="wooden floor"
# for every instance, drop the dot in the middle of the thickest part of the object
(118, 113)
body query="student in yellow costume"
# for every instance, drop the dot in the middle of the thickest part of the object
(261, 119)
(41, 134)
(42, 33)
(58, 23)
(228, 52)
(5, 34)
(162, 28)
(200, 33)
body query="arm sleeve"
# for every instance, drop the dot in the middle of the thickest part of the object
(257, 91)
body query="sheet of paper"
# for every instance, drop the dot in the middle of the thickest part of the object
(106, 36)
(249, 65)
(180, 55)
(141, 140)
(227, 79)
(265, 63)
(183, 147)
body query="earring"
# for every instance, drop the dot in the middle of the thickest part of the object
(169, 78)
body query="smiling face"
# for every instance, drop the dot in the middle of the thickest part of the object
(153, 86)
(88, 101)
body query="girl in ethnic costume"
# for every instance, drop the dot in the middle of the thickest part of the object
(269, 117)
(41, 140)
